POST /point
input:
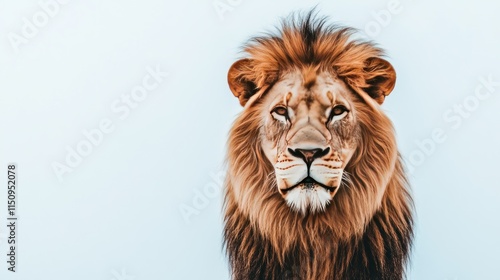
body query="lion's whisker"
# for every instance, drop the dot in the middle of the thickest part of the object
(346, 180)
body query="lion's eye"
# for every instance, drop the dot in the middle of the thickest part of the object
(338, 110)
(282, 111)
(337, 113)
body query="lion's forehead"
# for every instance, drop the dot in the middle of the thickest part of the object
(325, 91)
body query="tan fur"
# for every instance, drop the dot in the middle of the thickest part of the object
(369, 210)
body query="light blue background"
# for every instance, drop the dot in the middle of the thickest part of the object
(116, 215)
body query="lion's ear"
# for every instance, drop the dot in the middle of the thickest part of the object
(380, 78)
(239, 80)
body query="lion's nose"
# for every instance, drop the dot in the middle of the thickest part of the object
(309, 155)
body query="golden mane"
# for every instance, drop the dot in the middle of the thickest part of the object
(366, 232)
(310, 42)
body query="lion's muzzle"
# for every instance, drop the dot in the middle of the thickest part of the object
(308, 178)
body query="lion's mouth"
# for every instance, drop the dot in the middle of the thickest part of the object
(308, 184)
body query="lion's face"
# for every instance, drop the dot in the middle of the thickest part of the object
(308, 134)
(308, 123)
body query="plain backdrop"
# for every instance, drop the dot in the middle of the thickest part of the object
(120, 211)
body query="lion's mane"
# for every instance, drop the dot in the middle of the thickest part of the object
(366, 232)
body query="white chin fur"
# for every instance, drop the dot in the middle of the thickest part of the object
(303, 199)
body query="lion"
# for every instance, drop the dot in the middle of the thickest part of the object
(315, 187)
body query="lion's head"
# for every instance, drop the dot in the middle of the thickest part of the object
(312, 152)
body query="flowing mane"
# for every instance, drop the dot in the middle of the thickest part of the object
(366, 230)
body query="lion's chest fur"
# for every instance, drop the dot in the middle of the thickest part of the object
(376, 255)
